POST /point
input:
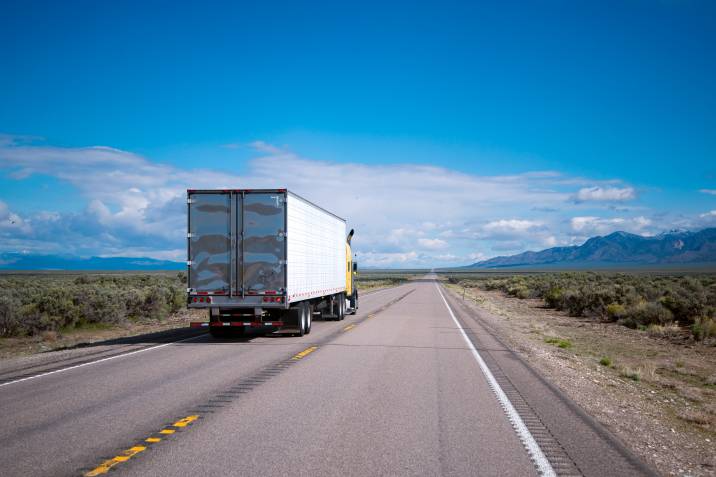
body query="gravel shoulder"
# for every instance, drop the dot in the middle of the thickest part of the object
(657, 394)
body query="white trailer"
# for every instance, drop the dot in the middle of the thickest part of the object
(266, 259)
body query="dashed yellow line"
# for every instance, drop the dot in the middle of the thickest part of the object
(186, 421)
(305, 352)
(124, 456)
(104, 467)
(349, 327)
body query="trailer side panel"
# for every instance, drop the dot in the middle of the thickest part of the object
(315, 251)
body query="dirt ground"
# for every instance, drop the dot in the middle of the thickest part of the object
(657, 393)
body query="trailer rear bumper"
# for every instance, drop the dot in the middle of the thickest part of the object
(242, 324)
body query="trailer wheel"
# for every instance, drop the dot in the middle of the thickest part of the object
(309, 317)
(302, 311)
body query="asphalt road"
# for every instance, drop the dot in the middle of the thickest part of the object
(411, 385)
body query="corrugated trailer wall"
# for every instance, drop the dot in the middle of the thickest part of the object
(315, 250)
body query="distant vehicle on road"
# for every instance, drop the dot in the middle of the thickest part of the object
(267, 259)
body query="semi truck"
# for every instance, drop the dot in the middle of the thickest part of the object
(266, 259)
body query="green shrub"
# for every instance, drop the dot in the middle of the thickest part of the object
(519, 291)
(34, 304)
(633, 374)
(559, 342)
(553, 297)
(634, 300)
(704, 328)
(574, 302)
(615, 311)
(650, 314)
(606, 361)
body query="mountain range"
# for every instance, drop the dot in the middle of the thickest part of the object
(24, 261)
(619, 249)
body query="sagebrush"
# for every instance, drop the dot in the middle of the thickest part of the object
(32, 304)
(653, 302)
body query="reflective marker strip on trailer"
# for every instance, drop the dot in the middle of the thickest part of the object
(253, 324)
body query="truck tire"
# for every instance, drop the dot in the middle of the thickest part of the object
(341, 314)
(301, 319)
(354, 302)
(309, 317)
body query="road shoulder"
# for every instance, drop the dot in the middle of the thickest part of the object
(633, 411)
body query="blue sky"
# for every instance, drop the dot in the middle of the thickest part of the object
(445, 132)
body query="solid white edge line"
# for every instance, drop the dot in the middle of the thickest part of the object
(98, 361)
(533, 449)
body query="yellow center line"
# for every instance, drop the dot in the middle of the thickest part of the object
(305, 352)
(105, 466)
(186, 421)
(349, 327)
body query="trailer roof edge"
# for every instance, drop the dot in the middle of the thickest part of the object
(288, 192)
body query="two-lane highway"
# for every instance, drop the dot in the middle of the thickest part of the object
(399, 389)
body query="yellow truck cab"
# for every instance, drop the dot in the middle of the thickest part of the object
(351, 275)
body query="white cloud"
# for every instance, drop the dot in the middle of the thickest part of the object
(709, 214)
(550, 241)
(511, 226)
(605, 194)
(404, 215)
(12, 223)
(513, 246)
(476, 256)
(515, 234)
(376, 259)
(432, 244)
(708, 191)
(588, 226)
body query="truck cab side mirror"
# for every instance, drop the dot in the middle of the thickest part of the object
(355, 267)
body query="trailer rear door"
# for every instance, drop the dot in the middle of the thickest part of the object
(264, 239)
(210, 242)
